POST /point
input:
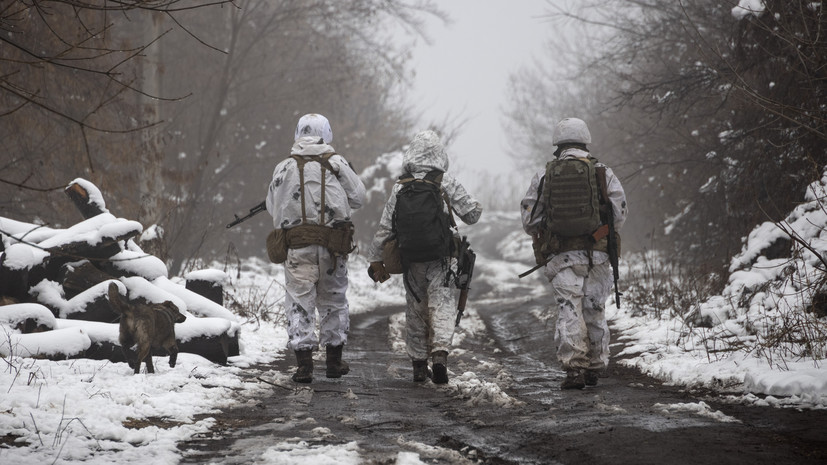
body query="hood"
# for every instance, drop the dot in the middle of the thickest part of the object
(310, 145)
(425, 153)
(573, 152)
(316, 125)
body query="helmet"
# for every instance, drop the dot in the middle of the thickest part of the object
(571, 131)
(316, 125)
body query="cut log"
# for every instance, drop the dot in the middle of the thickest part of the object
(14, 282)
(27, 318)
(78, 277)
(209, 289)
(214, 348)
(80, 250)
(83, 195)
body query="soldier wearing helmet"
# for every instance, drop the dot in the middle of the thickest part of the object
(566, 210)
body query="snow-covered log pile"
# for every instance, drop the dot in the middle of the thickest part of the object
(53, 288)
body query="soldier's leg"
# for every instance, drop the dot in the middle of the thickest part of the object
(331, 301)
(301, 272)
(442, 308)
(570, 335)
(597, 290)
(417, 319)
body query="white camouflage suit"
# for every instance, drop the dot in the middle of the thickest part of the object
(582, 334)
(429, 323)
(313, 278)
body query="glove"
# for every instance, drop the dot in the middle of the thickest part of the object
(377, 272)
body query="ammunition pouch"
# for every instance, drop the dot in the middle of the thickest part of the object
(340, 238)
(391, 257)
(277, 245)
(550, 244)
(337, 239)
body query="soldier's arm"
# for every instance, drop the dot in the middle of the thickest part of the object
(532, 208)
(353, 186)
(465, 206)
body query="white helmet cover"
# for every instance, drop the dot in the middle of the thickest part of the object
(571, 131)
(315, 125)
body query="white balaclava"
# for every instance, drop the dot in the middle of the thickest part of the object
(314, 125)
(571, 131)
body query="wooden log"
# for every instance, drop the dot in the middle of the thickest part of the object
(82, 250)
(14, 282)
(26, 318)
(205, 288)
(80, 196)
(78, 277)
(214, 348)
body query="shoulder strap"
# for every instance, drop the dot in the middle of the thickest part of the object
(605, 205)
(324, 161)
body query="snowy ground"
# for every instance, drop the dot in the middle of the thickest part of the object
(98, 412)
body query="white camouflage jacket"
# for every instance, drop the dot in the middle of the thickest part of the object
(344, 191)
(425, 154)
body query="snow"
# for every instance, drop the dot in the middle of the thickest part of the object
(194, 303)
(16, 313)
(217, 277)
(95, 195)
(764, 298)
(134, 261)
(57, 343)
(748, 7)
(23, 256)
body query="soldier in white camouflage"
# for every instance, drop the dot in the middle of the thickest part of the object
(315, 278)
(578, 269)
(430, 291)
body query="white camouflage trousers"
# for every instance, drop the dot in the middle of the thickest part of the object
(429, 323)
(314, 280)
(582, 334)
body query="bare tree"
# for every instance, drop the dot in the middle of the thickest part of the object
(714, 121)
(75, 90)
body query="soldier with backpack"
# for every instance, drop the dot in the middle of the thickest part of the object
(311, 198)
(572, 211)
(419, 216)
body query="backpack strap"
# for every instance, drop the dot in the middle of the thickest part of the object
(539, 194)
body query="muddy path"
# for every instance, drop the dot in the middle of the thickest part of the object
(502, 406)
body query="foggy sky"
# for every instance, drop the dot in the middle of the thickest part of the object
(464, 73)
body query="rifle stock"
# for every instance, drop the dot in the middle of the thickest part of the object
(253, 212)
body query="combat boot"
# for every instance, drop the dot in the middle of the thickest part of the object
(590, 377)
(574, 380)
(420, 371)
(304, 373)
(440, 367)
(336, 367)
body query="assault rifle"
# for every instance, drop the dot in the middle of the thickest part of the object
(253, 212)
(613, 249)
(465, 271)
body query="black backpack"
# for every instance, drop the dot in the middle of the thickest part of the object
(421, 224)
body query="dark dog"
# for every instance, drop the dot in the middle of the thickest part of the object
(150, 326)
